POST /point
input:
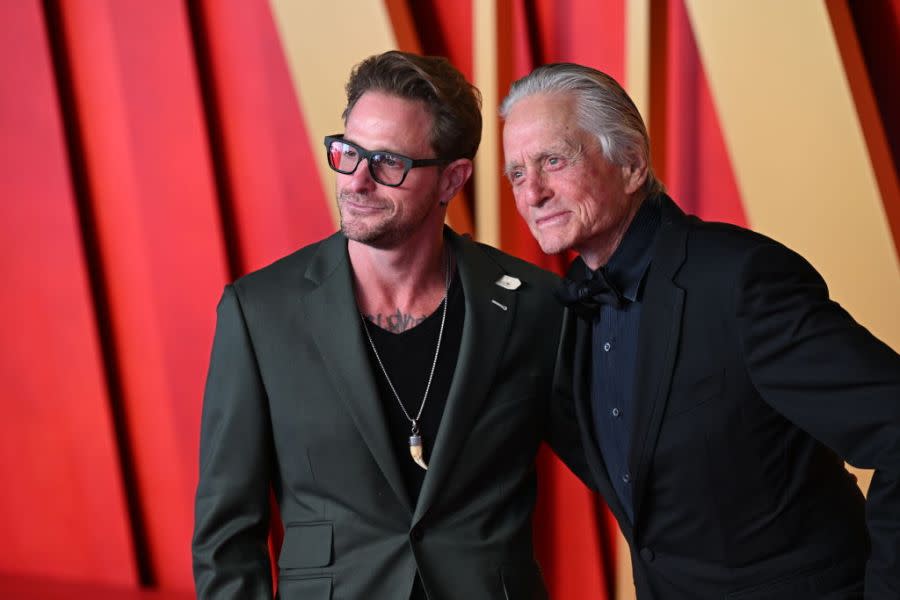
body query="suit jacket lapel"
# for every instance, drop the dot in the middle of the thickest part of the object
(658, 339)
(334, 322)
(485, 331)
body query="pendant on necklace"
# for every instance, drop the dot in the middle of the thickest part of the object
(416, 450)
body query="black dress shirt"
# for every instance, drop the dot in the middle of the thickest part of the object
(613, 348)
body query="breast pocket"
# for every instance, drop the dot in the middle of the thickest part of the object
(686, 396)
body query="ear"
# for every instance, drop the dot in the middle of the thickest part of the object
(634, 174)
(453, 178)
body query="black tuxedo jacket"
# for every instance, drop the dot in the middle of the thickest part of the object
(291, 403)
(751, 386)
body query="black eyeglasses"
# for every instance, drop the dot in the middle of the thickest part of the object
(386, 168)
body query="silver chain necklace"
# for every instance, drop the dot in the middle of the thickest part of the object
(415, 438)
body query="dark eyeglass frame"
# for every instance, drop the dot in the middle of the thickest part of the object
(372, 158)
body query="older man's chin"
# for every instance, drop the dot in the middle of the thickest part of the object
(551, 244)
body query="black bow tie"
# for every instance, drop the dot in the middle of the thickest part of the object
(586, 295)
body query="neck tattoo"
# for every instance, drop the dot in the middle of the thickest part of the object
(416, 449)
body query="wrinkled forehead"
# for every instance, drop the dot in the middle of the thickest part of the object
(526, 142)
(542, 116)
(539, 152)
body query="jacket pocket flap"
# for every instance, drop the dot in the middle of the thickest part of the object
(686, 397)
(305, 588)
(306, 545)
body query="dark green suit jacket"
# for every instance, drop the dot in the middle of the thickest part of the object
(291, 404)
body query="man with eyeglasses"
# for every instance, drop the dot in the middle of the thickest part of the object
(389, 383)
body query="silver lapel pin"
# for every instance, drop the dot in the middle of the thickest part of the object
(508, 282)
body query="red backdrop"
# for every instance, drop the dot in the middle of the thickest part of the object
(152, 151)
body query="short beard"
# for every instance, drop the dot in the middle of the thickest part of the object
(384, 235)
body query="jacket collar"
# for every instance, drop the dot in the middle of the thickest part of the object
(658, 338)
(658, 341)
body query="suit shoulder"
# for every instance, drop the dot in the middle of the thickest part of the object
(724, 242)
(289, 268)
(725, 255)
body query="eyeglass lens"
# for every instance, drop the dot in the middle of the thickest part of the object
(385, 168)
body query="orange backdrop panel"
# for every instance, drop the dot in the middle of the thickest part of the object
(62, 510)
(695, 163)
(575, 538)
(270, 183)
(156, 219)
(152, 151)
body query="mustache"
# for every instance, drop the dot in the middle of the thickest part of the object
(361, 199)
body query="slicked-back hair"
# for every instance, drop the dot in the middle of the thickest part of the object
(453, 102)
(603, 109)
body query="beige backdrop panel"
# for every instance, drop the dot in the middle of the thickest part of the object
(487, 161)
(637, 83)
(322, 41)
(637, 55)
(797, 146)
(798, 150)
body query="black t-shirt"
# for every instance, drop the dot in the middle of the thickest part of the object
(407, 357)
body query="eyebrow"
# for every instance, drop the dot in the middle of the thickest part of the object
(564, 148)
(376, 151)
(508, 169)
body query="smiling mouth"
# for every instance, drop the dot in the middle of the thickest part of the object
(362, 207)
(551, 219)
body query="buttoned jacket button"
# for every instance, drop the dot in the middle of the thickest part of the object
(417, 533)
(647, 554)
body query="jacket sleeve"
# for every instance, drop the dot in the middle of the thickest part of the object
(231, 518)
(826, 373)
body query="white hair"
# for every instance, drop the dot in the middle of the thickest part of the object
(603, 110)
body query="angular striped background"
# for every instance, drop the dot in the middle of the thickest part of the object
(152, 151)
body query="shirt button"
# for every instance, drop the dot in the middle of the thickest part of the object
(607, 346)
(647, 554)
(616, 412)
(626, 477)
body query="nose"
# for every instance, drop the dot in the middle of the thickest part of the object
(533, 191)
(360, 180)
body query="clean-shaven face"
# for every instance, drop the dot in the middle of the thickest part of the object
(378, 215)
(570, 195)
